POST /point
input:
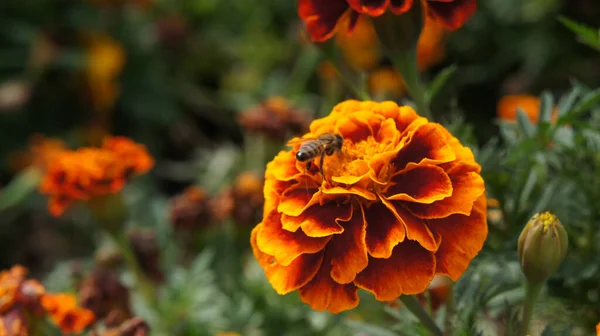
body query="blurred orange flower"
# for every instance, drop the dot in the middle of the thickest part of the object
(402, 202)
(386, 82)
(508, 105)
(430, 46)
(41, 152)
(275, 117)
(22, 299)
(360, 49)
(88, 172)
(598, 329)
(191, 209)
(323, 16)
(65, 313)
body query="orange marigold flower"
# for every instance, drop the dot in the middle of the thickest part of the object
(65, 313)
(88, 172)
(322, 16)
(430, 46)
(19, 301)
(598, 329)
(401, 202)
(508, 105)
(361, 49)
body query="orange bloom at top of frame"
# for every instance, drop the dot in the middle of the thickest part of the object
(402, 201)
(88, 172)
(322, 16)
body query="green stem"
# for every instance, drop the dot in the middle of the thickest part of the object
(406, 61)
(450, 311)
(145, 286)
(411, 303)
(531, 293)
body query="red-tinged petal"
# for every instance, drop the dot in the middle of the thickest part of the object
(423, 184)
(401, 6)
(349, 249)
(388, 133)
(284, 245)
(350, 191)
(283, 167)
(402, 115)
(369, 7)
(464, 155)
(297, 199)
(462, 239)
(285, 279)
(321, 17)
(467, 187)
(272, 191)
(322, 292)
(426, 145)
(416, 228)
(358, 126)
(359, 169)
(408, 271)
(452, 14)
(319, 220)
(384, 231)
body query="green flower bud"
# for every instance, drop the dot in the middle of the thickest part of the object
(542, 247)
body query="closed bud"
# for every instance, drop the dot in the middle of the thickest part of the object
(542, 247)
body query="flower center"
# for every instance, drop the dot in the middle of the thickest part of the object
(353, 159)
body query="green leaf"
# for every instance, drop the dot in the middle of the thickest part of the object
(524, 124)
(19, 188)
(567, 101)
(588, 101)
(547, 105)
(439, 82)
(585, 34)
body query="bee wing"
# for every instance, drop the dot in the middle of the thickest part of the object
(299, 140)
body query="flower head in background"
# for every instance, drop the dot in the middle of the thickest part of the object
(242, 201)
(65, 313)
(191, 209)
(529, 104)
(323, 16)
(22, 300)
(42, 151)
(402, 202)
(106, 59)
(275, 118)
(88, 172)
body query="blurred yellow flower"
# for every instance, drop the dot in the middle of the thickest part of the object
(386, 83)
(106, 59)
(361, 48)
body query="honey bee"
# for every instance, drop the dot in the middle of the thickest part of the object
(311, 148)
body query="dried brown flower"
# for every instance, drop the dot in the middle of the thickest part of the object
(275, 118)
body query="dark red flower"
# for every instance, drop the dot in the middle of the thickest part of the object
(322, 16)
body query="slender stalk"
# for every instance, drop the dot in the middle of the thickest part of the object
(450, 311)
(415, 307)
(531, 293)
(141, 281)
(406, 62)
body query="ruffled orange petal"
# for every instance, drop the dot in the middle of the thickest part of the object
(284, 245)
(452, 14)
(421, 184)
(402, 115)
(401, 6)
(360, 169)
(297, 199)
(349, 249)
(426, 145)
(462, 239)
(416, 228)
(408, 271)
(319, 220)
(285, 279)
(369, 7)
(388, 133)
(359, 126)
(468, 186)
(283, 166)
(384, 231)
(350, 191)
(322, 292)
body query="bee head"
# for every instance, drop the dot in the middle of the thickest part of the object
(302, 156)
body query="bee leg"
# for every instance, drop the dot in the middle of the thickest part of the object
(321, 166)
(308, 165)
